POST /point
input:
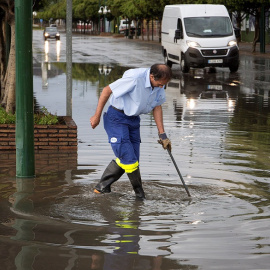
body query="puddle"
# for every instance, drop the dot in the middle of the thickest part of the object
(219, 127)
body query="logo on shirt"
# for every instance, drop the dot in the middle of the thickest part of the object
(113, 140)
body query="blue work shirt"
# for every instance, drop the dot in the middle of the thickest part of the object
(134, 94)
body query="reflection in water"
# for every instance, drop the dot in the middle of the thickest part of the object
(231, 105)
(46, 50)
(104, 69)
(46, 64)
(58, 50)
(48, 46)
(191, 103)
(44, 70)
(23, 205)
(46, 229)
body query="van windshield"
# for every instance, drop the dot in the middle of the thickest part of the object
(208, 26)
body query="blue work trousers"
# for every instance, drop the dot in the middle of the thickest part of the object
(124, 135)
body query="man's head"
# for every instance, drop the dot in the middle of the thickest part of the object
(160, 75)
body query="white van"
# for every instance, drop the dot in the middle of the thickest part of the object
(124, 25)
(198, 36)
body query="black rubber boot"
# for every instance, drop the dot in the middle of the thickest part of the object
(111, 174)
(136, 182)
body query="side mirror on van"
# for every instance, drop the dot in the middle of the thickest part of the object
(178, 34)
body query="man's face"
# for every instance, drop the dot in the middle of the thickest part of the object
(157, 83)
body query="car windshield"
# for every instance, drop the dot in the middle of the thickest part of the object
(51, 29)
(208, 27)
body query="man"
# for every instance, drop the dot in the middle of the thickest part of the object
(139, 91)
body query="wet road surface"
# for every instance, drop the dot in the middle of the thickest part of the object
(219, 127)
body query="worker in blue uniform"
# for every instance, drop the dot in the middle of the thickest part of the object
(139, 91)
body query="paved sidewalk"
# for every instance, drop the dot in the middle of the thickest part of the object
(245, 47)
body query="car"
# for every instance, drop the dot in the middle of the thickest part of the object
(51, 33)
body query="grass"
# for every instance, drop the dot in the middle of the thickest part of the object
(41, 118)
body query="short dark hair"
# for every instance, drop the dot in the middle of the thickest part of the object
(161, 71)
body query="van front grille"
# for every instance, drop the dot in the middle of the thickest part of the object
(218, 52)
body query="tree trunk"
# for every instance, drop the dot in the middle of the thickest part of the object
(136, 29)
(159, 30)
(9, 81)
(142, 29)
(238, 21)
(2, 59)
(257, 32)
(148, 30)
(8, 69)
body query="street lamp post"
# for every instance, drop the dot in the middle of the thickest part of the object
(103, 10)
(34, 15)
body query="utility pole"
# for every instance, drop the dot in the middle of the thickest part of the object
(69, 58)
(25, 154)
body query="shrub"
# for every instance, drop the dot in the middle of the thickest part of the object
(6, 118)
(41, 118)
(45, 118)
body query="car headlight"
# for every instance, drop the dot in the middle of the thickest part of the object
(232, 43)
(58, 34)
(46, 34)
(193, 44)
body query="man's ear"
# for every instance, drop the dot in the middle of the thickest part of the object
(152, 77)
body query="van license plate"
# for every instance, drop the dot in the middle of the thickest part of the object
(214, 87)
(215, 61)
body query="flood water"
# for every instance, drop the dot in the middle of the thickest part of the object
(219, 125)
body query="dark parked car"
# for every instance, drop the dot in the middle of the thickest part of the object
(52, 33)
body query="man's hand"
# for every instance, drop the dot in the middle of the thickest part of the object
(165, 141)
(105, 94)
(94, 120)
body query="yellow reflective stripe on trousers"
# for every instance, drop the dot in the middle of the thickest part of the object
(129, 168)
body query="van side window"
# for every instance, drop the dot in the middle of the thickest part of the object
(178, 31)
(179, 25)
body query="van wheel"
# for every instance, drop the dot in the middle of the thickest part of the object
(167, 61)
(183, 65)
(234, 67)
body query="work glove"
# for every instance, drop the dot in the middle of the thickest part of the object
(165, 141)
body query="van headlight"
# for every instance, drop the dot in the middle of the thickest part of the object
(193, 44)
(232, 43)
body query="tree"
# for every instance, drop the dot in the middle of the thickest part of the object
(244, 8)
(255, 9)
(8, 68)
(55, 10)
(7, 53)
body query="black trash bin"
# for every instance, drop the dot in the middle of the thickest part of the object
(132, 33)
